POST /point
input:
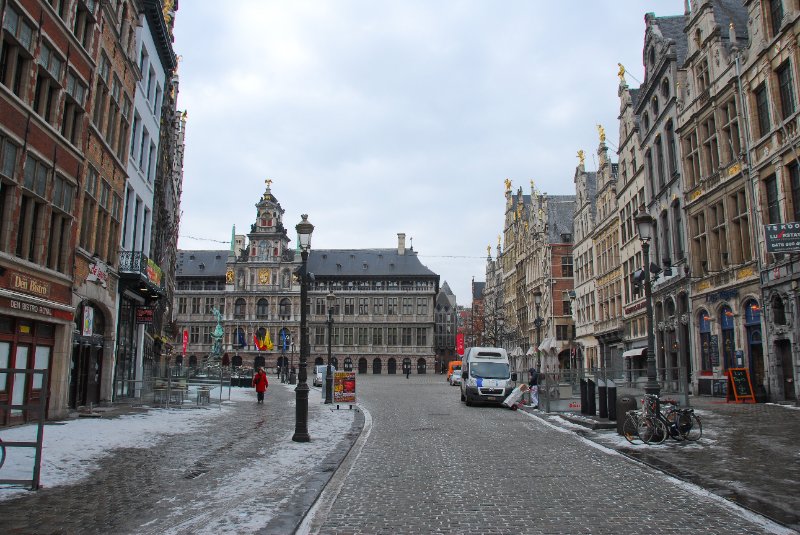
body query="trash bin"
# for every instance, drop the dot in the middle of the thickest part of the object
(624, 404)
(602, 401)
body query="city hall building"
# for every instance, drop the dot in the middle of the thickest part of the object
(383, 313)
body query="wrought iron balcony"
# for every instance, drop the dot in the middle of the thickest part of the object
(141, 273)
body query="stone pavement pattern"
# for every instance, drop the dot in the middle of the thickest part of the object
(433, 465)
(186, 483)
(749, 454)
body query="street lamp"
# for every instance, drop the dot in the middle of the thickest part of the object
(331, 300)
(304, 229)
(644, 225)
(537, 300)
(292, 374)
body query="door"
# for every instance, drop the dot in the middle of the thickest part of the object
(376, 366)
(392, 367)
(5, 387)
(422, 366)
(20, 381)
(362, 365)
(784, 350)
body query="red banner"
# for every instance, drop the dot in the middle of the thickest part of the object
(185, 340)
(460, 344)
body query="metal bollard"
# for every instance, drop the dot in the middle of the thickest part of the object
(602, 399)
(591, 404)
(584, 398)
(612, 400)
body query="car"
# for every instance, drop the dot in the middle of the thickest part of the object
(455, 377)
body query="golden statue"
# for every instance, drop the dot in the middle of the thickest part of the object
(621, 72)
(229, 276)
(498, 240)
(581, 156)
(602, 132)
(489, 250)
(508, 185)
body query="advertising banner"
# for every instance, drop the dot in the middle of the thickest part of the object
(783, 237)
(144, 315)
(185, 341)
(460, 344)
(344, 387)
(88, 321)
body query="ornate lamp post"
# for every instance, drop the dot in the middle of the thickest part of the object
(304, 229)
(292, 375)
(537, 300)
(644, 225)
(331, 300)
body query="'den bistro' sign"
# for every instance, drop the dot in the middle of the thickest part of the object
(783, 237)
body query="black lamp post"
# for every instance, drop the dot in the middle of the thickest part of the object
(537, 300)
(331, 300)
(283, 355)
(644, 224)
(292, 374)
(304, 229)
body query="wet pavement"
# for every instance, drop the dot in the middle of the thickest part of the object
(748, 454)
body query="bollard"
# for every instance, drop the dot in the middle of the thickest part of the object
(584, 402)
(292, 377)
(611, 393)
(602, 401)
(624, 404)
(590, 401)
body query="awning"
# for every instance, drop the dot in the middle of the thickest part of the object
(517, 352)
(530, 352)
(638, 352)
(547, 344)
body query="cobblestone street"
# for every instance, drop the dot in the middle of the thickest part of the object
(431, 464)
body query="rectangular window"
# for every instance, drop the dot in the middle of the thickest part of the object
(194, 335)
(718, 244)
(363, 336)
(786, 89)
(731, 145)
(762, 110)
(566, 266)
(562, 332)
(377, 305)
(422, 336)
(710, 147)
(773, 209)
(347, 336)
(408, 308)
(349, 306)
(391, 336)
(206, 334)
(692, 160)
(319, 336)
(699, 243)
(377, 336)
(406, 331)
(210, 302)
(181, 305)
(794, 178)
(740, 228)
(319, 306)
(566, 304)
(422, 306)
(363, 305)
(195, 305)
(16, 51)
(775, 16)
(391, 306)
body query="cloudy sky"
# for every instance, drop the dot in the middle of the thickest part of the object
(379, 117)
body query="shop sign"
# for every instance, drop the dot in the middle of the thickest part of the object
(144, 315)
(633, 308)
(88, 320)
(30, 285)
(30, 307)
(153, 272)
(783, 237)
(714, 350)
(98, 273)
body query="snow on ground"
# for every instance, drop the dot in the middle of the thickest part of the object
(71, 448)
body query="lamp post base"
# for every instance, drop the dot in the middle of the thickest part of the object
(301, 414)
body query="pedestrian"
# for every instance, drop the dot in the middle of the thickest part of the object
(533, 383)
(260, 383)
(408, 371)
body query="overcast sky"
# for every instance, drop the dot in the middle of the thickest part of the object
(379, 117)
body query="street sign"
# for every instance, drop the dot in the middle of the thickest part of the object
(783, 237)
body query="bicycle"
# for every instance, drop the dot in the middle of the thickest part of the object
(685, 423)
(2, 453)
(639, 428)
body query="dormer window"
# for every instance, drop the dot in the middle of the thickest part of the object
(665, 88)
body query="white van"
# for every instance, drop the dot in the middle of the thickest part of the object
(486, 375)
(319, 373)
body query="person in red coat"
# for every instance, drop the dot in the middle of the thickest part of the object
(261, 383)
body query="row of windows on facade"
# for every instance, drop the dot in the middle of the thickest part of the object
(347, 336)
(347, 305)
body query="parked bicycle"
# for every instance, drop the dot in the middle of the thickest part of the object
(2, 453)
(650, 425)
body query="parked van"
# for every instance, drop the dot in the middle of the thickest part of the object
(454, 365)
(319, 373)
(486, 375)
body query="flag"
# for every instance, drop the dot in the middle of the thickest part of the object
(268, 345)
(460, 344)
(241, 338)
(284, 339)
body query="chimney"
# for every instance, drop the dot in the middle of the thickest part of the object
(401, 243)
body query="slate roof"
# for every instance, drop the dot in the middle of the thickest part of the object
(635, 93)
(560, 216)
(727, 11)
(477, 290)
(366, 263)
(446, 289)
(201, 263)
(672, 28)
(445, 298)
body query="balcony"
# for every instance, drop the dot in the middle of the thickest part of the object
(141, 274)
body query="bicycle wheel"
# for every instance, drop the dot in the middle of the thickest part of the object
(630, 429)
(652, 431)
(2, 454)
(692, 428)
(672, 424)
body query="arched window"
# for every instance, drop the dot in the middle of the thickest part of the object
(752, 313)
(660, 161)
(239, 308)
(376, 366)
(677, 231)
(778, 310)
(237, 361)
(704, 328)
(262, 309)
(285, 309)
(362, 365)
(193, 361)
(665, 88)
(391, 367)
(726, 323)
(672, 152)
(654, 105)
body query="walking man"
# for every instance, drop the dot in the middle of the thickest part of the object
(533, 383)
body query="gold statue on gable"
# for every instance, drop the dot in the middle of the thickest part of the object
(602, 132)
(508, 185)
(581, 156)
(489, 250)
(621, 72)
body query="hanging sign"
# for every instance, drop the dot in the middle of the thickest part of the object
(88, 320)
(144, 315)
(460, 344)
(185, 340)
